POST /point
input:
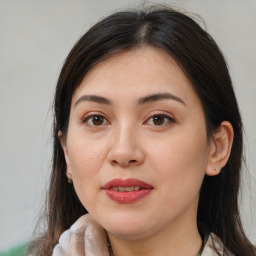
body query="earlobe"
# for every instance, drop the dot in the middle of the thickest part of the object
(64, 148)
(220, 148)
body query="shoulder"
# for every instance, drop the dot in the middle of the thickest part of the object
(214, 247)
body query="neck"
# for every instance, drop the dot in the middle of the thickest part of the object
(179, 239)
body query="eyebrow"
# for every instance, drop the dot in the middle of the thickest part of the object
(93, 98)
(160, 96)
(143, 100)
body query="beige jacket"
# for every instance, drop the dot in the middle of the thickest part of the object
(214, 241)
(86, 237)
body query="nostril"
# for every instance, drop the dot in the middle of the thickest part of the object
(124, 163)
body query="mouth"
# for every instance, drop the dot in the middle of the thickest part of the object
(127, 191)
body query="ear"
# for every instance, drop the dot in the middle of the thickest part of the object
(220, 148)
(65, 150)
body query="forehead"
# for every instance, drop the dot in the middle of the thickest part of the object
(136, 72)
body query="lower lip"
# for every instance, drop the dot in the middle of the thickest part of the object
(127, 197)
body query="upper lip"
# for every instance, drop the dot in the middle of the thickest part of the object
(126, 183)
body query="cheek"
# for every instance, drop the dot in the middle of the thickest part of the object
(180, 167)
(180, 153)
(85, 156)
(86, 160)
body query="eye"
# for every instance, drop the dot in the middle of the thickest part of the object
(159, 120)
(95, 120)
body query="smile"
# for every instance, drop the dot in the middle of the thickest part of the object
(127, 191)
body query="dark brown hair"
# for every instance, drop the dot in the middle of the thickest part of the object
(203, 63)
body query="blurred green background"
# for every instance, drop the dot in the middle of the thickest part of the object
(17, 251)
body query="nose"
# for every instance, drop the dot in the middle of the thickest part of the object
(126, 149)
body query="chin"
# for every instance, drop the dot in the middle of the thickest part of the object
(130, 227)
(128, 233)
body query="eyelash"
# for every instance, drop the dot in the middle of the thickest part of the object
(167, 119)
(88, 119)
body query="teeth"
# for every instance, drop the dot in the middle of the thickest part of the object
(126, 189)
(134, 188)
(122, 189)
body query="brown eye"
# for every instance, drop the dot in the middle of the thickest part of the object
(98, 120)
(158, 120)
(95, 120)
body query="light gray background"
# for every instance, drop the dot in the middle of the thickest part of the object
(35, 37)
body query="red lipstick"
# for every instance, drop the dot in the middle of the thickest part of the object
(126, 191)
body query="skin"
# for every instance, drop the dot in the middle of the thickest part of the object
(173, 154)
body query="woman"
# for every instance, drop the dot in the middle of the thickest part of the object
(147, 143)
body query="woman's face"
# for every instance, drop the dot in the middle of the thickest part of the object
(136, 145)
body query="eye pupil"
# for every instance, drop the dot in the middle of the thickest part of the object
(158, 120)
(98, 120)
